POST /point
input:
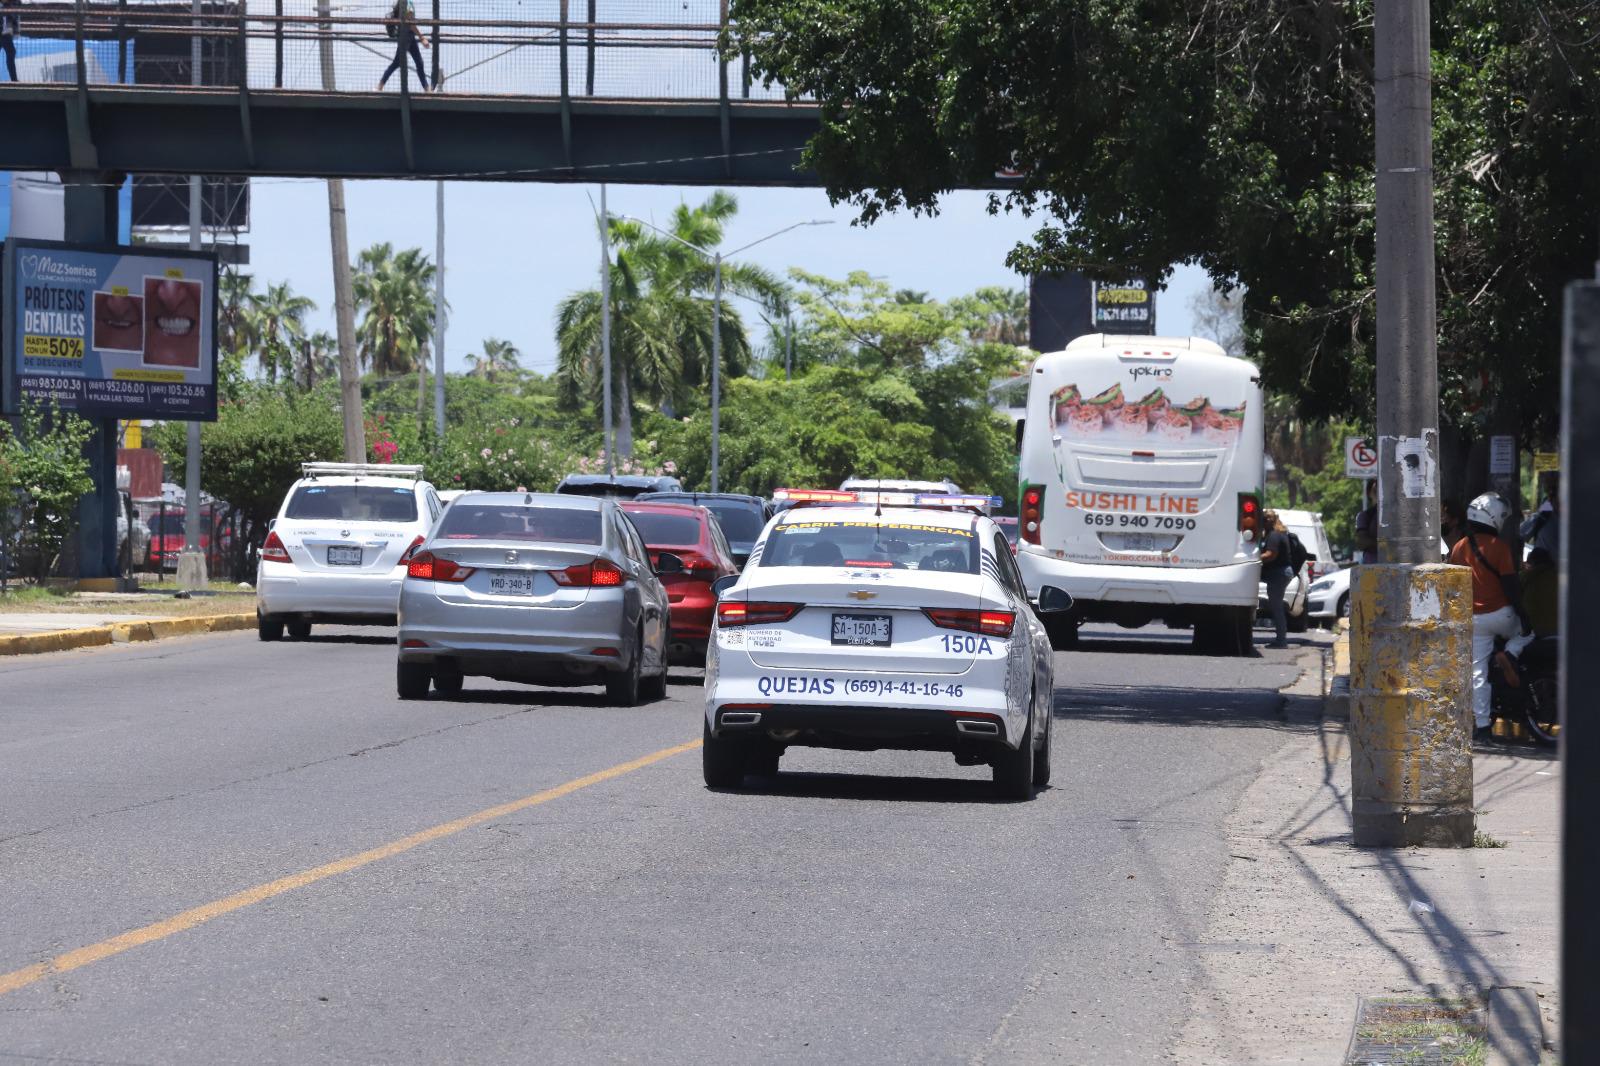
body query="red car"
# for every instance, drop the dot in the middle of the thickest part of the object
(167, 538)
(692, 534)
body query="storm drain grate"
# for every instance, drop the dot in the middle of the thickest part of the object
(1419, 1031)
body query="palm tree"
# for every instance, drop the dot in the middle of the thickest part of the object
(277, 322)
(394, 292)
(233, 316)
(662, 323)
(318, 357)
(499, 357)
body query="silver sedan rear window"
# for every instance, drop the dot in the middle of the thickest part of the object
(509, 521)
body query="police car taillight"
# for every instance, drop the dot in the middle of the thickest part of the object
(989, 623)
(745, 613)
(1032, 513)
(1249, 515)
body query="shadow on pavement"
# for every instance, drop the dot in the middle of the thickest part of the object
(877, 788)
(343, 638)
(1254, 708)
(529, 697)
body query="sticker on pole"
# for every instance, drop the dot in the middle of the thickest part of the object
(1360, 458)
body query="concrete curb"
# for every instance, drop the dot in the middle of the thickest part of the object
(124, 633)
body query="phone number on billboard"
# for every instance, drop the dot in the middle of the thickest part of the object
(1138, 521)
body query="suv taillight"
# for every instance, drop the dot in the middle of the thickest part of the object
(430, 567)
(989, 623)
(273, 550)
(1032, 513)
(742, 613)
(599, 574)
(1249, 515)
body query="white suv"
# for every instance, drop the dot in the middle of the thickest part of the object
(337, 551)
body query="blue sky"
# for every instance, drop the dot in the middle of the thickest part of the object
(513, 251)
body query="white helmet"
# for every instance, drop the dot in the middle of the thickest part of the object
(1489, 510)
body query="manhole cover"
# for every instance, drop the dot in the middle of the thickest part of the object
(1419, 1031)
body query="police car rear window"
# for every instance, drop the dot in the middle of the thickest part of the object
(353, 503)
(878, 545)
(495, 521)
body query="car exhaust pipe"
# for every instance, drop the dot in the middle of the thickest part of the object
(978, 727)
(740, 718)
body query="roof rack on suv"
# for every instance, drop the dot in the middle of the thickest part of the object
(402, 470)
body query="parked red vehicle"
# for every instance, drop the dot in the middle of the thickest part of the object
(692, 534)
(167, 537)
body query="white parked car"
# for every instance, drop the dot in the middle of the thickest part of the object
(1307, 525)
(1328, 597)
(862, 627)
(337, 551)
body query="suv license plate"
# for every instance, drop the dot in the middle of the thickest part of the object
(510, 583)
(866, 630)
(344, 555)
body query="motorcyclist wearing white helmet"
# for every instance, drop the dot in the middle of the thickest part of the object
(1494, 594)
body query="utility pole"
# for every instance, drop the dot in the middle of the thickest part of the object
(788, 350)
(438, 321)
(1411, 764)
(192, 561)
(605, 330)
(716, 370)
(344, 309)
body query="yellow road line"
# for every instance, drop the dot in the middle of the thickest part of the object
(178, 923)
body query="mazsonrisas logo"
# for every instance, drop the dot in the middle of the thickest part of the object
(43, 268)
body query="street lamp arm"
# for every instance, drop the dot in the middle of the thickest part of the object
(778, 233)
(668, 234)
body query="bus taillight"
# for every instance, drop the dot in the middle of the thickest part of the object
(1032, 513)
(1249, 515)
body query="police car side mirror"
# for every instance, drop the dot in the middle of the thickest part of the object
(1053, 600)
(723, 584)
(667, 563)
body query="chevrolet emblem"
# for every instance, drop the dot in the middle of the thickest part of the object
(861, 594)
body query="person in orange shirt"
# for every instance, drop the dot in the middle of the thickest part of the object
(1494, 616)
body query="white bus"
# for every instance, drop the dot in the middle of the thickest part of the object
(1140, 486)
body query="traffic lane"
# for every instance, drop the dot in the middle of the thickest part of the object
(867, 905)
(311, 757)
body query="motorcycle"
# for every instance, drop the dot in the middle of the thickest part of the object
(1525, 695)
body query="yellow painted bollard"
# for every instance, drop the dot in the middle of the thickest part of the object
(1411, 706)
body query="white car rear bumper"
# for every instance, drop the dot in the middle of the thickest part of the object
(283, 588)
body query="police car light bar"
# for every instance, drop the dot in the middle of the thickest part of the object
(888, 499)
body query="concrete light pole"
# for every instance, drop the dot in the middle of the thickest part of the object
(344, 311)
(1411, 632)
(438, 318)
(192, 561)
(716, 256)
(605, 331)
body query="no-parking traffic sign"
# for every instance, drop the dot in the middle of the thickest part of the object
(1360, 458)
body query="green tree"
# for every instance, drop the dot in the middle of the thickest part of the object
(318, 359)
(277, 325)
(500, 357)
(394, 294)
(43, 475)
(662, 322)
(1236, 135)
(234, 321)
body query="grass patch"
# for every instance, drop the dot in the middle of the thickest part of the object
(1433, 1031)
(1480, 839)
(43, 601)
(33, 596)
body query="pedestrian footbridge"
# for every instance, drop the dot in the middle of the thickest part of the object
(637, 91)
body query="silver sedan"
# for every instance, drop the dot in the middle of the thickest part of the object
(534, 588)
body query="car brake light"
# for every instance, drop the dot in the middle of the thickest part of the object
(409, 552)
(1032, 513)
(1249, 515)
(430, 567)
(880, 564)
(598, 573)
(989, 623)
(272, 551)
(741, 613)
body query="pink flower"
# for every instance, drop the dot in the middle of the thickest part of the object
(485, 454)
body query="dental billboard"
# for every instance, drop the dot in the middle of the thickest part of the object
(109, 332)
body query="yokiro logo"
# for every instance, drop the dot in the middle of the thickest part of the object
(1164, 373)
(44, 268)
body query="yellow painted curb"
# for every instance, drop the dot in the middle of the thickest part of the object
(124, 632)
(61, 640)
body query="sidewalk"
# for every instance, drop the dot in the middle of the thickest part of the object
(32, 633)
(1306, 923)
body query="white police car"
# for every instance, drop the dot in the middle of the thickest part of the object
(894, 623)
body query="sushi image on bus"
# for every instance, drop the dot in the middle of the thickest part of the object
(1141, 473)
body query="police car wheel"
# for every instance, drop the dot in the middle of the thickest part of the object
(1041, 758)
(1013, 770)
(722, 760)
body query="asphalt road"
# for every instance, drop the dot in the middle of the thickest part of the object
(868, 907)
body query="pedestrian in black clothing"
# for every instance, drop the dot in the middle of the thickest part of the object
(1276, 573)
(10, 30)
(402, 26)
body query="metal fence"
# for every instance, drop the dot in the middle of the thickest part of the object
(557, 49)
